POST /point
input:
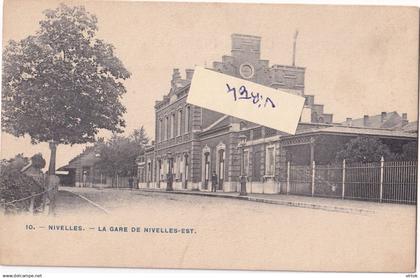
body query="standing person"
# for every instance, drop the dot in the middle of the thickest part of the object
(213, 181)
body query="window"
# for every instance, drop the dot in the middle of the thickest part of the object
(269, 161)
(163, 129)
(166, 129)
(179, 130)
(159, 130)
(173, 125)
(187, 119)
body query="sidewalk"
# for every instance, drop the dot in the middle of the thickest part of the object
(328, 204)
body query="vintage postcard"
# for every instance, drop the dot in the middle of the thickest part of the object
(209, 136)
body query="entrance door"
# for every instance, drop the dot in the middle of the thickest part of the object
(221, 168)
(206, 170)
(185, 172)
(159, 173)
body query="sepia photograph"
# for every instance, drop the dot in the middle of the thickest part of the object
(230, 136)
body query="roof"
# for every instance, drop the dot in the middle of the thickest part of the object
(391, 119)
(88, 157)
(411, 127)
(360, 131)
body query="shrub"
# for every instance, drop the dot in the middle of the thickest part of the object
(15, 185)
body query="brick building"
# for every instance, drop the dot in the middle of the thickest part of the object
(191, 142)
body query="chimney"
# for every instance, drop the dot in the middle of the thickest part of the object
(175, 77)
(189, 74)
(366, 120)
(349, 121)
(404, 119)
(383, 116)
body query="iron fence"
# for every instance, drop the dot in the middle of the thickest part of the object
(384, 181)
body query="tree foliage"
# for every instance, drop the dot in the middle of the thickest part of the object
(16, 163)
(118, 155)
(38, 161)
(365, 149)
(409, 151)
(62, 84)
(15, 185)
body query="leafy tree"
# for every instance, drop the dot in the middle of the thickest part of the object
(409, 151)
(62, 85)
(118, 155)
(364, 149)
(15, 185)
(140, 137)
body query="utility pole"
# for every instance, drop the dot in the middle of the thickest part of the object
(294, 47)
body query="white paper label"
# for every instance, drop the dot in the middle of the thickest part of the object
(245, 100)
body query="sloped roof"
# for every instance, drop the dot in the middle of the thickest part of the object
(391, 119)
(88, 157)
(411, 127)
(361, 131)
(222, 121)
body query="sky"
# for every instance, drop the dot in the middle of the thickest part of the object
(358, 60)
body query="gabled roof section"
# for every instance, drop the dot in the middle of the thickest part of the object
(221, 122)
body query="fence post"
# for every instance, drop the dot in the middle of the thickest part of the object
(313, 178)
(288, 178)
(382, 180)
(343, 193)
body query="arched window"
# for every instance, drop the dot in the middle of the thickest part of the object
(166, 129)
(187, 119)
(220, 164)
(173, 125)
(159, 130)
(221, 167)
(206, 169)
(179, 130)
(206, 160)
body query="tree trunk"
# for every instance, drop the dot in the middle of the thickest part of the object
(52, 178)
(53, 149)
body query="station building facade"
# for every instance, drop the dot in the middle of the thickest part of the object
(191, 142)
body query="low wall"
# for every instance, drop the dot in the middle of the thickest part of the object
(268, 187)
